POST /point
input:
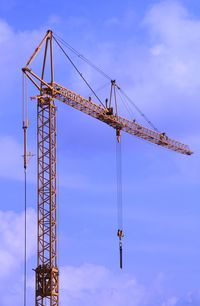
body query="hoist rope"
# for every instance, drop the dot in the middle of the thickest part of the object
(120, 233)
(23, 97)
(25, 237)
(119, 185)
(77, 70)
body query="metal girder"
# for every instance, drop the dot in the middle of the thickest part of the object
(101, 113)
(117, 122)
(47, 274)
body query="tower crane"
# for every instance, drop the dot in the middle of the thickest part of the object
(47, 271)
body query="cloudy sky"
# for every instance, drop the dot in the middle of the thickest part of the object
(152, 48)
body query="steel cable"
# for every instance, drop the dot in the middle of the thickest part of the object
(82, 57)
(81, 75)
(25, 237)
(102, 73)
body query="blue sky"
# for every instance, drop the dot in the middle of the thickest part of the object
(152, 48)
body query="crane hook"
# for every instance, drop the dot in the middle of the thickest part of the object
(120, 234)
(118, 134)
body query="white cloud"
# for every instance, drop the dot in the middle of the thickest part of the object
(12, 240)
(54, 19)
(12, 253)
(170, 21)
(96, 285)
(113, 21)
(170, 302)
(6, 32)
(11, 161)
(126, 20)
(172, 27)
(91, 284)
(87, 284)
(15, 49)
(157, 50)
(11, 166)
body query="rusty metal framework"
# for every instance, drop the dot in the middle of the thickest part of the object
(47, 273)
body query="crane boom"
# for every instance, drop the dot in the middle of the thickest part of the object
(117, 122)
(104, 114)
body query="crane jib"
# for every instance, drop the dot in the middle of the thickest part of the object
(117, 122)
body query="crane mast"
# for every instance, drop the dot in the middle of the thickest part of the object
(47, 272)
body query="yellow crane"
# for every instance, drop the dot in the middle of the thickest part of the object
(47, 271)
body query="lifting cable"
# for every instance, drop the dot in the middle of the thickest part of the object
(25, 126)
(25, 237)
(120, 233)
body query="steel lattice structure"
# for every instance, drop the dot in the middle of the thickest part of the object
(47, 273)
(47, 283)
